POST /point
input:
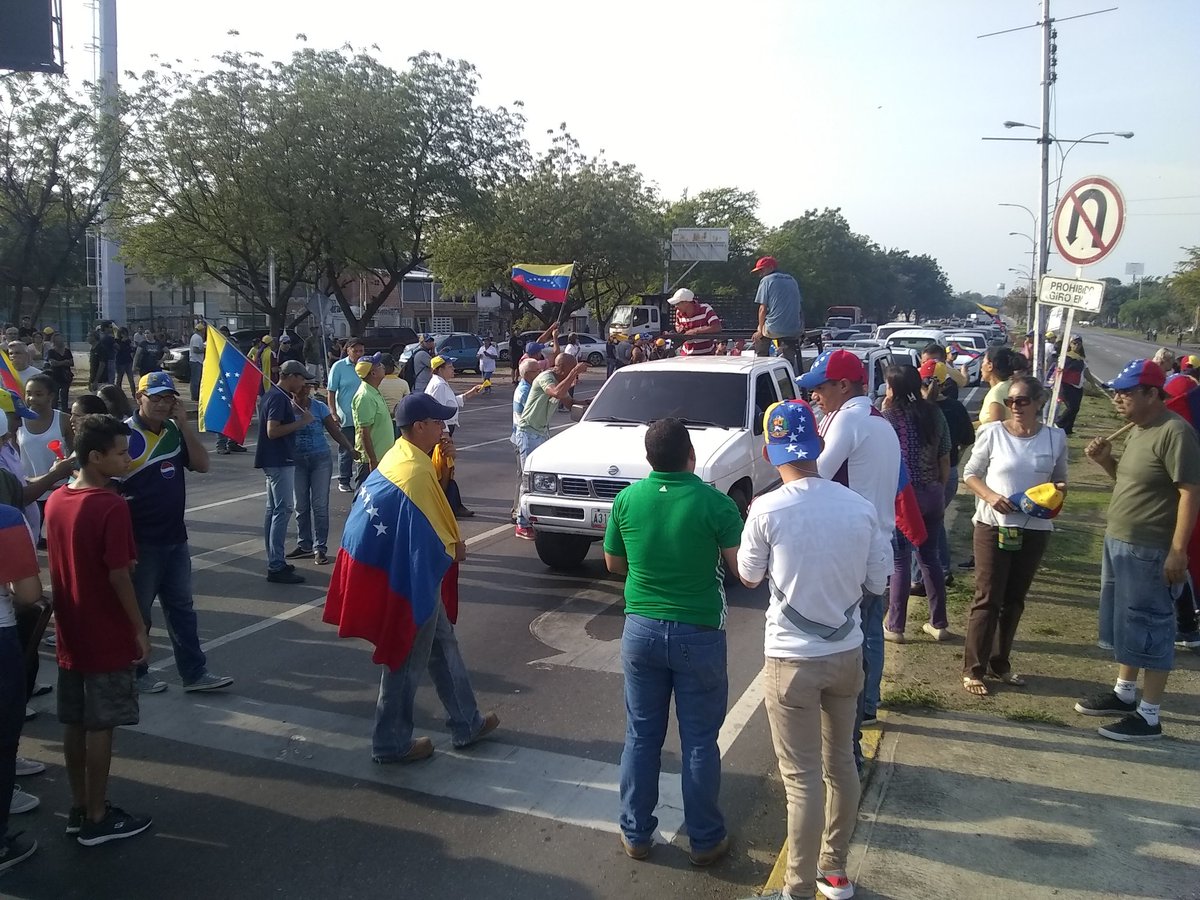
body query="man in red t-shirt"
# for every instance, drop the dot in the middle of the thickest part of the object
(101, 634)
(694, 318)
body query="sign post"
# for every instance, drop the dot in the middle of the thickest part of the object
(1088, 222)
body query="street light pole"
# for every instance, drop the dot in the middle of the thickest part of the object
(1043, 247)
(1032, 263)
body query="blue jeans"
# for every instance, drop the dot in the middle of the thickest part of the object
(165, 571)
(868, 698)
(660, 658)
(525, 442)
(313, 474)
(345, 460)
(436, 647)
(1137, 608)
(196, 370)
(281, 489)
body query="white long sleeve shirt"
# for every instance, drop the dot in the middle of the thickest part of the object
(818, 544)
(863, 453)
(439, 389)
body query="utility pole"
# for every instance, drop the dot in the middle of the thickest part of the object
(112, 270)
(1043, 247)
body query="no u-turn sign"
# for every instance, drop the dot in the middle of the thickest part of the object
(1089, 220)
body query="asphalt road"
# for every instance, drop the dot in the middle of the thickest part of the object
(1107, 353)
(268, 788)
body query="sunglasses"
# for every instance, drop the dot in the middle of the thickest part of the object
(1021, 402)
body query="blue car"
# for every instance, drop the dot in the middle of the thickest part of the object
(461, 348)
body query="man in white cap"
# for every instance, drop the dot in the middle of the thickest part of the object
(693, 318)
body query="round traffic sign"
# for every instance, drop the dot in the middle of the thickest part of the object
(1089, 220)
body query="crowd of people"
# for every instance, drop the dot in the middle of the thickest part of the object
(113, 467)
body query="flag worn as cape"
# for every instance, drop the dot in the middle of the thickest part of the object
(397, 549)
(229, 388)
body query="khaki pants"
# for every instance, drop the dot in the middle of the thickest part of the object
(811, 704)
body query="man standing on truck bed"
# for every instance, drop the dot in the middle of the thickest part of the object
(780, 314)
(692, 319)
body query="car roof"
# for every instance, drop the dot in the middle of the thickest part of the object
(707, 363)
(916, 332)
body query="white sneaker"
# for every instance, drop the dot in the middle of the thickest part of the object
(29, 767)
(148, 684)
(22, 802)
(835, 885)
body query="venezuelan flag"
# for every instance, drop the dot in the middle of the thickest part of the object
(18, 559)
(908, 512)
(549, 283)
(397, 547)
(8, 374)
(229, 388)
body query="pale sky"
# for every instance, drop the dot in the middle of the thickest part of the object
(876, 106)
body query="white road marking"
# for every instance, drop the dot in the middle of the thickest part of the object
(219, 556)
(577, 791)
(195, 509)
(742, 711)
(508, 438)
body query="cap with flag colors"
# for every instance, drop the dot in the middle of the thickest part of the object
(790, 433)
(1179, 384)
(549, 283)
(833, 365)
(397, 546)
(1042, 501)
(934, 369)
(11, 402)
(1138, 373)
(153, 383)
(229, 388)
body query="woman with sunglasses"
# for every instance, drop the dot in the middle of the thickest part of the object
(925, 449)
(1009, 457)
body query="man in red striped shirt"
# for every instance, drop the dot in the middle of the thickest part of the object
(694, 318)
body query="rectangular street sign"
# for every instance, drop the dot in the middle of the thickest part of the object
(1073, 293)
(700, 244)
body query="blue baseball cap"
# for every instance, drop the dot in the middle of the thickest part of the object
(833, 365)
(533, 348)
(426, 338)
(156, 383)
(790, 433)
(1137, 373)
(419, 407)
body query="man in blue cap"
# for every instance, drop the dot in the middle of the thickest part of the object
(163, 445)
(817, 544)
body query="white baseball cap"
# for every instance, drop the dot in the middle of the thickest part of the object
(683, 295)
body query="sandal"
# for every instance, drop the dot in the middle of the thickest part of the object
(975, 686)
(1009, 678)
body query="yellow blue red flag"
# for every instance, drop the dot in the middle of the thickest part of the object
(229, 388)
(549, 283)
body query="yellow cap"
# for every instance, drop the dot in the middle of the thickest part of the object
(437, 362)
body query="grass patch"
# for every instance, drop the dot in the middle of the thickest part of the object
(1034, 716)
(1055, 649)
(912, 697)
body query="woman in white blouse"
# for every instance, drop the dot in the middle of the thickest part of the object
(1009, 457)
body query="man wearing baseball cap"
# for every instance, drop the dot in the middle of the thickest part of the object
(1151, 516)
(780, 312)
(817, 543)
(422, 368)
(862, 452)
(277, 423)
(372, 418)
(439, 389)
(343, 385)
(694, 318)
(162, 447)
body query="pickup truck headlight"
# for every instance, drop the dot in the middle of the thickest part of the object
(544, 483)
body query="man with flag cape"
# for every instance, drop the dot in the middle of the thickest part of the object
(395, 585)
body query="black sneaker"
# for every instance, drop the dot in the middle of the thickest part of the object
(1132, 728)
(285, 576)
(115, 826)
(237, 448)
(14, 849)
(1108, 704)
(75, 819)
(297, 553)
(967, 563)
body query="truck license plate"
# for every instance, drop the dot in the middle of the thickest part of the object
(599, 518)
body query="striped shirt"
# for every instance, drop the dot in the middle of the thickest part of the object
(704, 315)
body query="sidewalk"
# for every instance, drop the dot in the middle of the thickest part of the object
(962, 805)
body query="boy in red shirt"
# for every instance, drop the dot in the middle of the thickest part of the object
(101, 635)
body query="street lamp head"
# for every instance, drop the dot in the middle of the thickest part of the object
(1124, 134)
(1012, 124)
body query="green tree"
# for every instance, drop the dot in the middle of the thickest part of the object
(600, 214)
(1184, 286)
(53, 184)
(726, 207)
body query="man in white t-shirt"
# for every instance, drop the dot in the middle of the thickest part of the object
(819, 546)
(488, 353)
(196, 358)
(863, 453)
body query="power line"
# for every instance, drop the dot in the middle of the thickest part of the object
(1180, 197)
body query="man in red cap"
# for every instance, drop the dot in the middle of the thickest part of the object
(780, 313)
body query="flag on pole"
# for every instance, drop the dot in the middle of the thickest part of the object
(8, 374)
(990, 310)
(549, 283)
(229, 388)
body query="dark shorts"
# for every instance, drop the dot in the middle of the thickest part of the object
(97, 701)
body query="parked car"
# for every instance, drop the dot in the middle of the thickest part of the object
(571, 480)
(245, 337)
(591, 347)
(460, 348)
(176, 363)
(388, 339)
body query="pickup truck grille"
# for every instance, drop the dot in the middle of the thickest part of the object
(600, 488)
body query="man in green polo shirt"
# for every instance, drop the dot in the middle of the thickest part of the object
(668, 534)
(372, 418)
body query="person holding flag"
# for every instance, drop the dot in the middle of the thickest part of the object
(395, 572)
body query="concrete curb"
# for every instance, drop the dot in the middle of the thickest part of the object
(872, 737)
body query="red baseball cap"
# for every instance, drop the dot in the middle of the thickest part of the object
(833, 365)
(764, 262)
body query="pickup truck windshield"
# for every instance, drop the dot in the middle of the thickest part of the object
(644, 396)
(911, 343)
